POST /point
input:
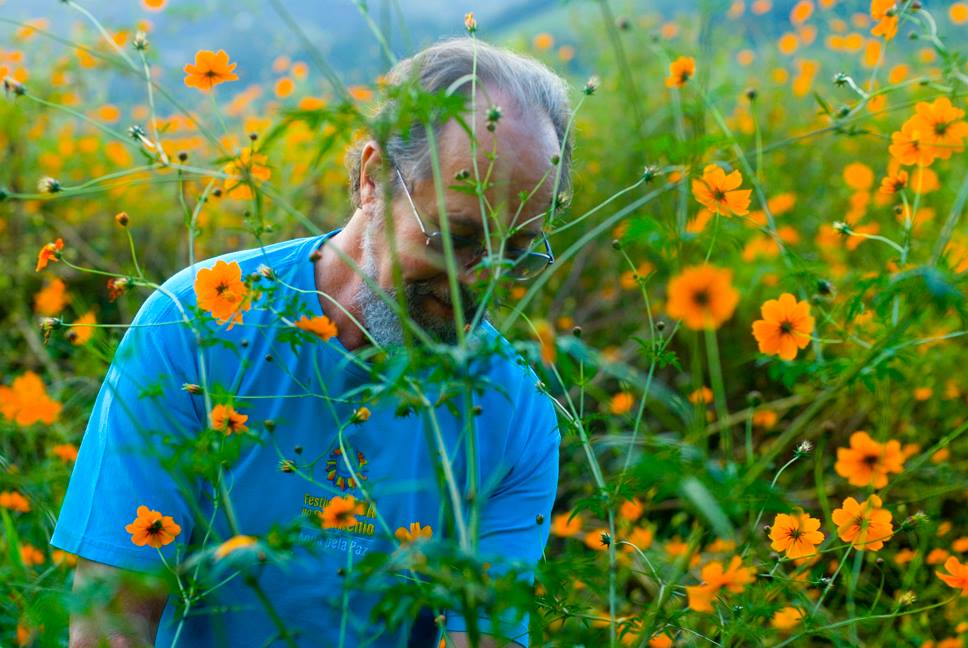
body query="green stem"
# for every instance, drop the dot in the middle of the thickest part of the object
(719, 391)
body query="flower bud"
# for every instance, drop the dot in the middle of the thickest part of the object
(192, 388)
(493, 117)
(48, 185)
(121, 218)
(14, 87)
(470, 23)
(592, 85)
(140, 41)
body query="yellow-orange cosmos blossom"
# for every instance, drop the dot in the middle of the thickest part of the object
(680, 71)
(226, 419)
(714, 578)
(152, 528)
(786, 326)
(866, 525)
(209, 70)
(340, 512)
(957, 575)
(718, 191)
(867, 462)
(414, 533)
(319, 325)
(797, 535)
(220, 291)
(702, 296)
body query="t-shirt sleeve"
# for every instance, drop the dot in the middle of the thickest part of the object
(509, 524)
(140, 406)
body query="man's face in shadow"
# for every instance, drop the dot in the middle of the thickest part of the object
(522, 146)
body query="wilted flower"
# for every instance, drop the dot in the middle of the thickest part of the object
(50, 252)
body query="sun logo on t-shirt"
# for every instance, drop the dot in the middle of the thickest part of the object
(340, 475)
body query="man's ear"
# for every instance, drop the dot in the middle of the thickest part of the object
(371, 162)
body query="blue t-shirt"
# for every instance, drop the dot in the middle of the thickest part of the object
(305, 390)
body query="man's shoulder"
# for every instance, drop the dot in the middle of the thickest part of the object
(510, 368)
(280, 256)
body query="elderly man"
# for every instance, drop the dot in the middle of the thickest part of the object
(264, 436)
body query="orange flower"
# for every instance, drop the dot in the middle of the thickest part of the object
(942, 125)
(718, 193)
(796, 534)
(546, 341)
(701, 597)
(911, 144)
(220, 291)
(865, 525)
(361, 414)
(867, 462)
(885, 12)
(597, 539)
(226, 419)
(786, 619)
(320, 325)
(680, 71)
(786, 326)
(52, 298)
(632, 509)
(714, 578)
(414, 533)
(621, 403)
(765, 418)
(957, 576)
(247, 168)
(152, 528)
(340, 512)
(702, 296)
(641, 537)
(26, 401)
(564, 527)
(233, 544)
(31, 555)
(894, 183)
(82, 329)
(701, 396)
(209, 70)
(66, 452)
(63, 558)
(50, 252)
(14, 501)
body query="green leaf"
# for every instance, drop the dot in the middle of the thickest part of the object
(697, 493)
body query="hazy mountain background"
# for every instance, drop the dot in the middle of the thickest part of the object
(254, 33)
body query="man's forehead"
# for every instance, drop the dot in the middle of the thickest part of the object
(515, 161)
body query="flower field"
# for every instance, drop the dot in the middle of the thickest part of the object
(754, 331)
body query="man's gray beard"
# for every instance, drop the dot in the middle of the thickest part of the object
(381, 320)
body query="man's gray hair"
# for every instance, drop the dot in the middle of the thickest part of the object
(530, 84)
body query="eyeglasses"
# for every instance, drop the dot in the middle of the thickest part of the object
(519, 264)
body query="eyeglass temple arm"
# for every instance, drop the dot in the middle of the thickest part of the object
(413, 206)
